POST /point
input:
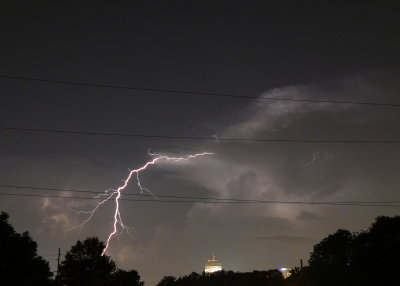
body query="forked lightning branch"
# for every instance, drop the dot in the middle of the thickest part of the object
(115, 193)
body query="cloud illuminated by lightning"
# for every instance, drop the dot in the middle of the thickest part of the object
(116, 193)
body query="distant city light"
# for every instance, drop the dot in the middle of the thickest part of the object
(212, 265)
(285, 272)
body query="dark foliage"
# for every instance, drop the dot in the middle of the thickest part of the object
(167, 281)
(126, 278)
(299, 277)
(361, 259)
(226, 278)
(368, 258)
(376, 252)
(19, 262)
(330, 260)
(85, 266)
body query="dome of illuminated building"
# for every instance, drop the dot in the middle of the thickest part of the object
(212, 265)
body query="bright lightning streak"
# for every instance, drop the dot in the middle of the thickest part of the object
(116, 193)
(91, 212)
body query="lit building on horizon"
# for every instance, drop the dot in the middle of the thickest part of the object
(286, 272)
(212, 265)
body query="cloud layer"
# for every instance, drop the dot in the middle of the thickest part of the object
(168, 239)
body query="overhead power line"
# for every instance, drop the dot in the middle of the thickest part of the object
(98, 193)
(140, 194)
(173, 196)
(208, 202)
(265, 140)
(191, 92)
(204, 200)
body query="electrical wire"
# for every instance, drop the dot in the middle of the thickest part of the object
(190, 92)
(174, 196)
(223, 201)
(159, 136)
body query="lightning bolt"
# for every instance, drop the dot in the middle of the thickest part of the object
(116, 193)
(216, 138)
(316, 156)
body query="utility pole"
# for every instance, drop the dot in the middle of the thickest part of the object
(58, 261)
(301, 263)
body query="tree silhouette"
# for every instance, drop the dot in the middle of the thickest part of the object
(226, 278)
(19, 262)
(167, 281)
(128, 278)
(366, 258)
(299, 276)
(85, 266)
(330, 260)
(376, 252)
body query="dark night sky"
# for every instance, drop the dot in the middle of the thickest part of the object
(323, 50)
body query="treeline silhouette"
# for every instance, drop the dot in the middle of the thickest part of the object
(370, 257)
(222, 278)
(83, 265)
(19, 262)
